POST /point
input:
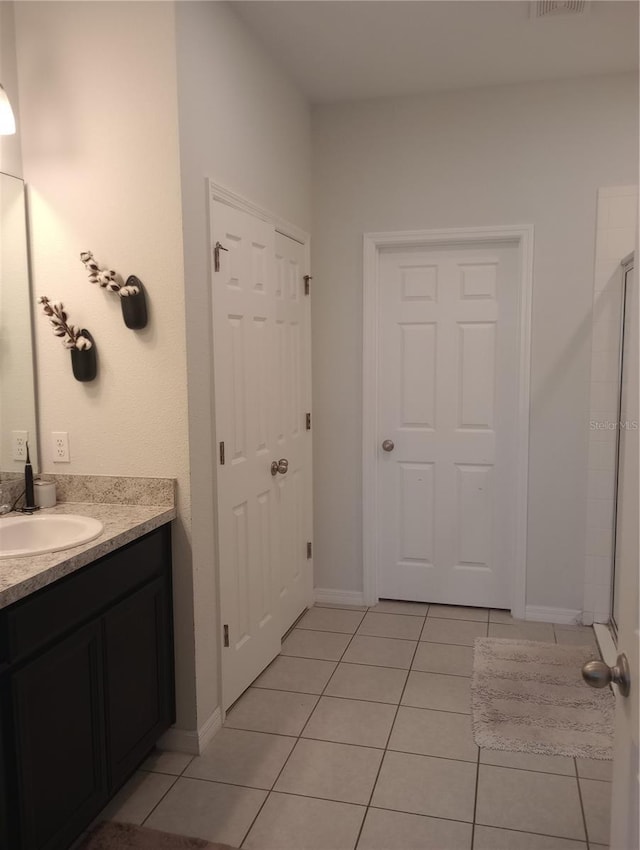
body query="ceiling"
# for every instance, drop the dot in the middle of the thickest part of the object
(338, 50)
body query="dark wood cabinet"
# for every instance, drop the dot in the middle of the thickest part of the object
(86, 689)
(137, 674)
(5, 841)
(58, 705)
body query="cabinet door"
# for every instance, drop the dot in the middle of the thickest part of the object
(4, 766)
(138, 659)
(58, 705)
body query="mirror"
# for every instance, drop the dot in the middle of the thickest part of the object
(17, 379)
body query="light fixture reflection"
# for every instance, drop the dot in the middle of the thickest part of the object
(7, 121)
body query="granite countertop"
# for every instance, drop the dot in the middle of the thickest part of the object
(122, 523)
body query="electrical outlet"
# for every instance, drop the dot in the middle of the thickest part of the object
(60, 446)
(19, 444)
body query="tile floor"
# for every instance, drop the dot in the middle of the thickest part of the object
(359, 735)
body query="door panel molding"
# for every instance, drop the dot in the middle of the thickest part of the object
(519, 235)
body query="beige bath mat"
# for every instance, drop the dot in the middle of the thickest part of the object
(126, 836)
(529, 697)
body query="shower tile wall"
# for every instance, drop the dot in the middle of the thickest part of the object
(615, 238)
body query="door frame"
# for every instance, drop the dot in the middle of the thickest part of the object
(522, 237)
(219, 193)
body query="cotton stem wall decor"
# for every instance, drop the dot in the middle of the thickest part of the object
(77, 340)
(133, 301)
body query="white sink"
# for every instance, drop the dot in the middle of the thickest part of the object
(22, 536)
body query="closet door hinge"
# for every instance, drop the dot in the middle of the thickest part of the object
(221, 454)
(226, 634)
(307, 283)
(216, 255)
(309, 550)
(308, 421)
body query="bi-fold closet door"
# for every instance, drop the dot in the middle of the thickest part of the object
(262, 377)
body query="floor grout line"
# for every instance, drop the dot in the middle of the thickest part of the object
(350, 699)
(396, 614)
(357, 664)
(421, 815)
(386, 747)
(311, 797)
(328, 682)
(584, 816)
(541, 834)
(354, 699)
(145, 819)
(298, 738)
(363, 664)
(354, 663)
(527, 769)
(475, 801)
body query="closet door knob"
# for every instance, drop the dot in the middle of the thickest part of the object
(279, 466)
(388, 445)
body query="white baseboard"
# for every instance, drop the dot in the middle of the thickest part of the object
(542, 614)
(330, 596)
(192, 741)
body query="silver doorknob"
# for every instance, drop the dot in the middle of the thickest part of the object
(599, 675)
(279, 466)
(388, 445)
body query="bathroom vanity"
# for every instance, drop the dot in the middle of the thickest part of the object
(86, 674)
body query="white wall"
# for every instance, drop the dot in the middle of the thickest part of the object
(532, 154)
(100, 148)
(99, 89)
(616, 233)
(244, 125)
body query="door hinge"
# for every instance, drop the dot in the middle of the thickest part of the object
(308, 421)
(216, 255)
(309, 550)
(307, 283)
(221, 454)
(226, 635)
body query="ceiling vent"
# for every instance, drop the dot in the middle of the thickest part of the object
(546, 8)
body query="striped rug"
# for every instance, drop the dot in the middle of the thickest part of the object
(529, 697)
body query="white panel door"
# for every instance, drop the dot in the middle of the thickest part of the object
(261, 351)
(447, 399)
(243, 316)
(292, 385)
(626, 781)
